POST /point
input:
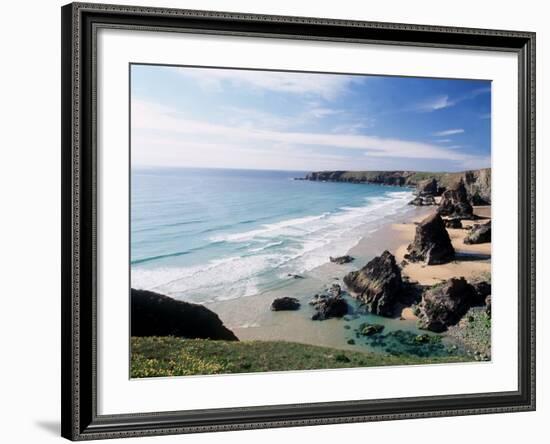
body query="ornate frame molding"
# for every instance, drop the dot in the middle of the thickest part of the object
(80, 22)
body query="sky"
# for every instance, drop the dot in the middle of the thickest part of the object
(232, 118)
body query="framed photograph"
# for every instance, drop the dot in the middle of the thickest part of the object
(279, 221)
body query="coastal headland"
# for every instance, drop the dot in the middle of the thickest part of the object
(477, 182)
(414, 291)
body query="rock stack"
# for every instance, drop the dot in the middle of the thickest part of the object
(445, 304)
(378, 284)
(431, 244)
(454, 202)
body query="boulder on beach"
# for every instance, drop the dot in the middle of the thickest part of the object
(335, 290)
(295, 276)
(154, 314)
(479, 234)
(444, 304)
(378, 284)
(431, 244)
(315, 299)
(329, 307)
(340, 260)
(429, 200)
(285, 303)
(417, 201)
(423, 201)
(454, 222)
(454, 202)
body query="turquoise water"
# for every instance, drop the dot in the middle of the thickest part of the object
(214, 234)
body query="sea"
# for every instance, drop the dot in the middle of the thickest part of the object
(205, 235)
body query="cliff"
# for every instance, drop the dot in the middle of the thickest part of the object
(400, 178)
(476, 182)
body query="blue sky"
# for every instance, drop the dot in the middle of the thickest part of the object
(203, 117)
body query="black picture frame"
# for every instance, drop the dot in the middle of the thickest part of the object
(80, 22)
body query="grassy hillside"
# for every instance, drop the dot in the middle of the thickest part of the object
(170, 356)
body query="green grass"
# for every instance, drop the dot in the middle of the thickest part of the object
(421, 175)
(170, 356)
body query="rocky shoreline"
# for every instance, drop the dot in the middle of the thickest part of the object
(477, 183)
(385, 288)
(437, 281)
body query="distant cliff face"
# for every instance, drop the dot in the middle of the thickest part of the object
(399, 178)
(478, 185)
(477, 182)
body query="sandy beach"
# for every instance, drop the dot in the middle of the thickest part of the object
(471, 261)
(251, 318)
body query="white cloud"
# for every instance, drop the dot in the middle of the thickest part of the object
(435, 103)
(444, 101)
(352, 128)
(246, 117)
(148, 118)
(321, 112)
(326, 86)
(448, 132)
(443, 140)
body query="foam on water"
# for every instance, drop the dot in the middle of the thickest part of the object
(269, 230)
(271, 252)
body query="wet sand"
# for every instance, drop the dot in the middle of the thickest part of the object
(250, 318)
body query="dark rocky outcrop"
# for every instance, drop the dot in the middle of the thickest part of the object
(285, 303)
(335, 290)
(454, 202)
(482, 291)
(427, 187)
(453, 223)
(477, 200)
(295, 276)
(417, 201)
(329, 307)
(479, 234)
(317, 298)
(423, 201)
(378, 284)
(154, 314)
(445, 304)
(340, 260)
(429, 200)
(431, 244)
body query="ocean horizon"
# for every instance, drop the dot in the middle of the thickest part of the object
(203, 234)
